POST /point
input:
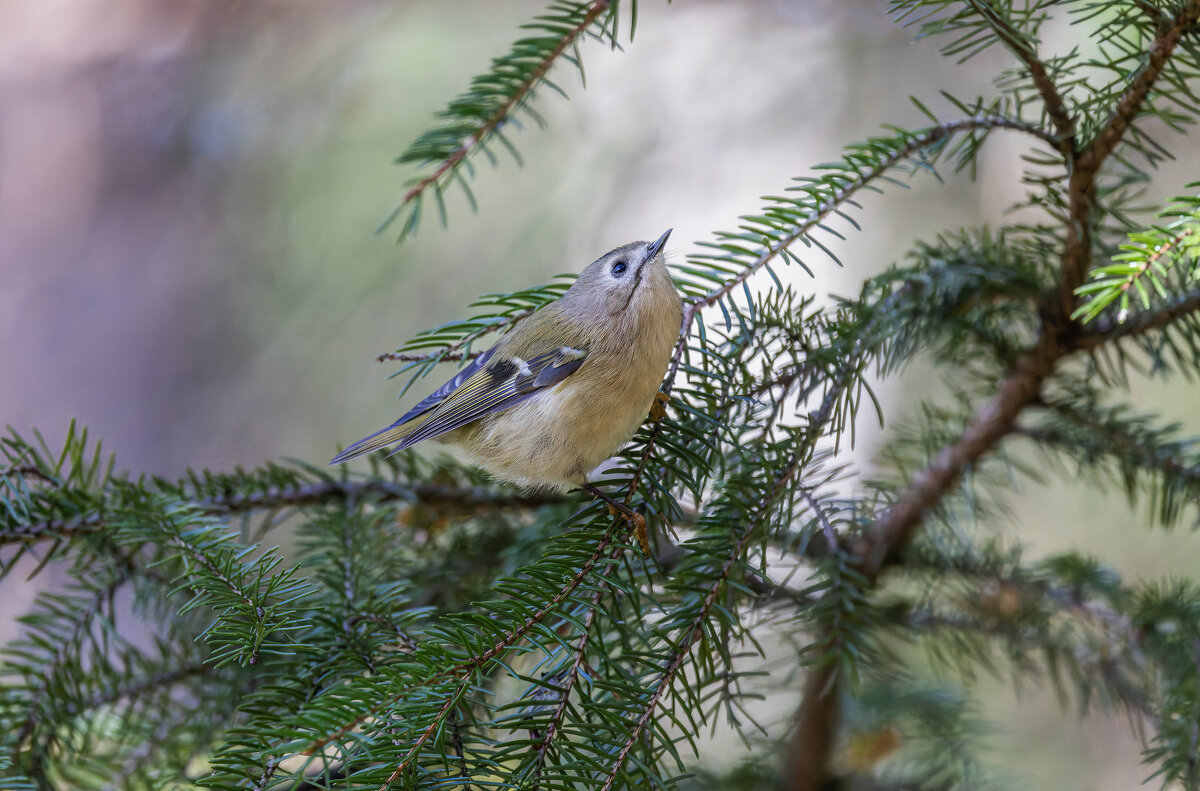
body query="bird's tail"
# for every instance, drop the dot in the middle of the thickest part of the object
(393, 433)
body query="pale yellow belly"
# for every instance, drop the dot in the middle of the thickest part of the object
(556, 438)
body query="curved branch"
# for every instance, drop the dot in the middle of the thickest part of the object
(844, 193)
(492, 122)
(895, 526)
(1056, 108)
(451, 352)
(819, 213)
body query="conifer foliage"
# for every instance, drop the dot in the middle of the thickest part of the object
(434, 630)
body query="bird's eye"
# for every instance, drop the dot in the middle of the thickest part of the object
(619, 268)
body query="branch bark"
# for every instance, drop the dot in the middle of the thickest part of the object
(1058, 336)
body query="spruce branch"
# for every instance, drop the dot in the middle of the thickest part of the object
(1145, 259)
(445, 356)
(567, 683)
(828, 197)
(1158, 53)
(1132, 275)
(894, 527)
(692, 633)
(476, 662)
(1025, 49)
(139, 687)
(1085, 165)
(403, 663)
(478, 116)
(461, 670)
(460, 499)
(67, 644)
(1137, 445)
(839, 190)
(1180, 306)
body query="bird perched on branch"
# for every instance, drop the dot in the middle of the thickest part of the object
(564, 388)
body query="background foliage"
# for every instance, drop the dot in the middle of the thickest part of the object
(433, 630)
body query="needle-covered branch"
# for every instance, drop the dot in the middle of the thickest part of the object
(477, 119)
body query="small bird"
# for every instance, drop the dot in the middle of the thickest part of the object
(564, 388)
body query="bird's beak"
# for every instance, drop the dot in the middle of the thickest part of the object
(658, 245)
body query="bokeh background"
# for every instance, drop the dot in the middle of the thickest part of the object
(189, 192)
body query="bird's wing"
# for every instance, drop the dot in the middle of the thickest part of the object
(487, 385)
(435, 398)
(501, 384)
(401, 428)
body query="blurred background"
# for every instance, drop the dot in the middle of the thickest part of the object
(189, 193)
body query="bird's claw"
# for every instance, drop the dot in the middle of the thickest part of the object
(637, 522)
(658, 409)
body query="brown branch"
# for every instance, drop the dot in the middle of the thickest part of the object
(895, 526)
(1140, 86)
(452, 357)
(1104, 331)
(451, 352)
(492, 122)
(29, 471)
(810, 748)
(472, 498)
(1081, 185)
(842, 194)
(572, 677)
(1056, 108)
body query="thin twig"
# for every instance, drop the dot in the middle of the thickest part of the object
(1140, 86)
(1084, 167)
(469, 498)
(492, 122)
(1107, 330)
(1056, 108)
(572, 677)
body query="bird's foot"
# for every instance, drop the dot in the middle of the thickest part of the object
(658, 409)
